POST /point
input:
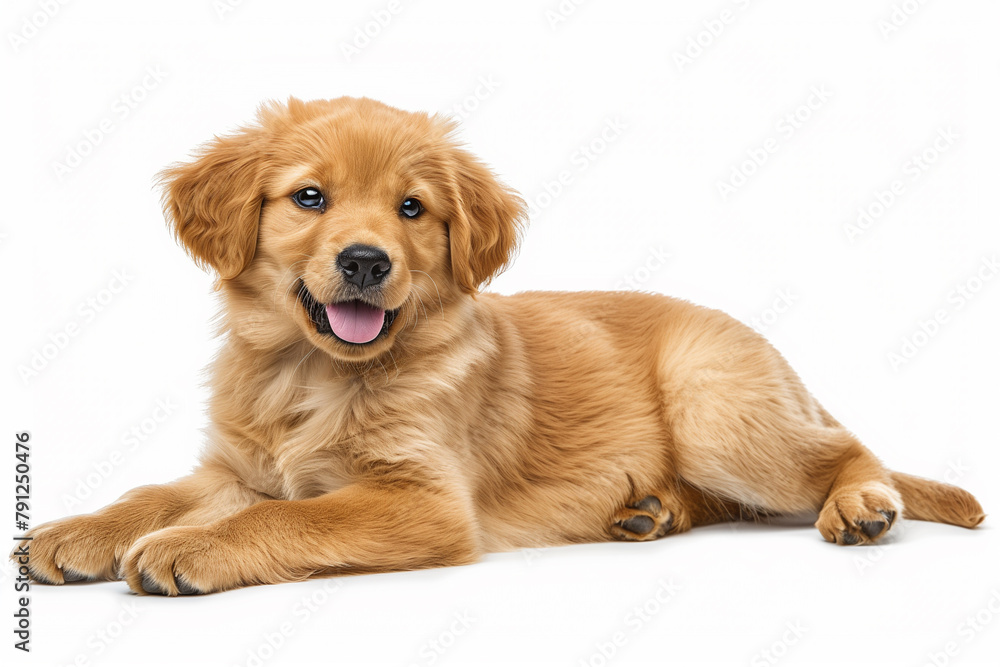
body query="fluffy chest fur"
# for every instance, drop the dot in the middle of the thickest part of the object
(297, 424)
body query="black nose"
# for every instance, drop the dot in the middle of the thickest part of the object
(364, 265)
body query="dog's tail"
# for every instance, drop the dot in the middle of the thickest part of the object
(927, 500)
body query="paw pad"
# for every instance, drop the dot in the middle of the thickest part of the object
(644, 519)
(860, 515)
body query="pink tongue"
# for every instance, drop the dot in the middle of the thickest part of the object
(354, 321)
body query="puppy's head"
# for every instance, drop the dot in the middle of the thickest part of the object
(342, 221)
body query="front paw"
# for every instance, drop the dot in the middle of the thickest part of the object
(78, 548)
(181, 560)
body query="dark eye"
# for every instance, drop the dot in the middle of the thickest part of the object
(309, 198)
(411, 208)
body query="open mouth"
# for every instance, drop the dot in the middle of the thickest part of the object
(354, 322)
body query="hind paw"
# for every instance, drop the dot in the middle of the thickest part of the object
(860, 515)
(649, 517)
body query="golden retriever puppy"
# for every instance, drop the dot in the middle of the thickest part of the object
(373, 410)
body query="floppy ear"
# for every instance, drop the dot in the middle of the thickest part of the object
(485, 227)
(213, 204)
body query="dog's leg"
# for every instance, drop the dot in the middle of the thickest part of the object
(862, 504)
(363, 527)
(787, 465)
(91, 546)
(742, 426)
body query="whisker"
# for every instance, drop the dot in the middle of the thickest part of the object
(433, 282)
(274, 298)
(394, 364)
(384, 370)
(309, 354)
(421, 302)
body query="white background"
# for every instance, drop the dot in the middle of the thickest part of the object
(654, 188)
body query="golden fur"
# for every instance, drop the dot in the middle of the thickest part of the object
(477, 422)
